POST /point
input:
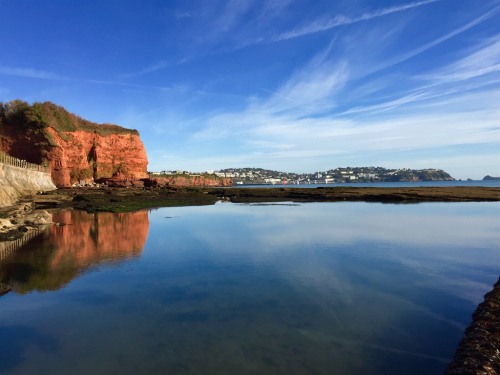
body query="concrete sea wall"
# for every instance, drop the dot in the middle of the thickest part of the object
(16, 182)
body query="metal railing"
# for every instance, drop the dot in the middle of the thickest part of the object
(10, 160)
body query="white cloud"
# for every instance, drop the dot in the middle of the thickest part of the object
(443, 38)
(330, 23)
(231, 14)
(28, 73)
(221, 20)
(160, 65)
(311, 89)
(483, 61)
(300, 120)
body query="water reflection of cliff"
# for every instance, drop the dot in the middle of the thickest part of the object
(53, 259)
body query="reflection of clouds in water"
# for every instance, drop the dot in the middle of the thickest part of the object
(421, 226)
(433, 240)
(347, 223)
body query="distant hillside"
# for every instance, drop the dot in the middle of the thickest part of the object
(347, 174)
(75, 149)
(488, 178)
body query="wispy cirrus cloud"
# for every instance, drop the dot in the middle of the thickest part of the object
(46, 75)
(443, 38)
(300, 120)
(477, 70)
(230, 16)
(29, 73)
(152, 68)
(324, 24)
(480, 62)
(220, 19)
(160, 65)
(311, 89)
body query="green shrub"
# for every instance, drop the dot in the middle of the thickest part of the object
(41, 115)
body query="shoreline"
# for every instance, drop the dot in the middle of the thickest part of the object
(113, 199)
(479, 350)
(17, 220)
(132, 199)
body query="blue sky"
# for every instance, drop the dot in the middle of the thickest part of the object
(290, 85)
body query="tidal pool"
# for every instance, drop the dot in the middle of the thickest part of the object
(318, 288)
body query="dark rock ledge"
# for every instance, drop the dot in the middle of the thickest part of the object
(479, 351)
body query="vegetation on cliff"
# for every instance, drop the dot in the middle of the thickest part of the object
(39, 116)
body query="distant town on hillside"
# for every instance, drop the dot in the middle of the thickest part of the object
(338, 175)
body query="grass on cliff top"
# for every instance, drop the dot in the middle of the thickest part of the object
(47, 114)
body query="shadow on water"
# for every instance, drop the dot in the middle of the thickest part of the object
(15, 341)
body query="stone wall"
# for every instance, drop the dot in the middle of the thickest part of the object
(16, 182)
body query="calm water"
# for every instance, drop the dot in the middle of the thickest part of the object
(320, 288)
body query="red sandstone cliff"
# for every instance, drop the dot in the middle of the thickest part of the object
(89, 156)
(73, 148)
(191, 180)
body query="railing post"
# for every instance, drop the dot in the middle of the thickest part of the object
(10, 160)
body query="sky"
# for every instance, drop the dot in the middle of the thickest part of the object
(289, 85)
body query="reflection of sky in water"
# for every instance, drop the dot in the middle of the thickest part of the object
(432, 239)
(334, 288)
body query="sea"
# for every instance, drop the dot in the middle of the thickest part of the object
(282, 288)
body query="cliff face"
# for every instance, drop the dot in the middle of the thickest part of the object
(74, 149)
(88, 156)
(186, 181)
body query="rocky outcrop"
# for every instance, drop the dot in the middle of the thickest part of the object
(479, 351)
(17, 182)
(188, 181)
(75, 149)
(84, 156)
(22, 223)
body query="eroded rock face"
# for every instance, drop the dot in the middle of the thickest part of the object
(187, 181)
(80, 155)
(76, 150)
(84, 156)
